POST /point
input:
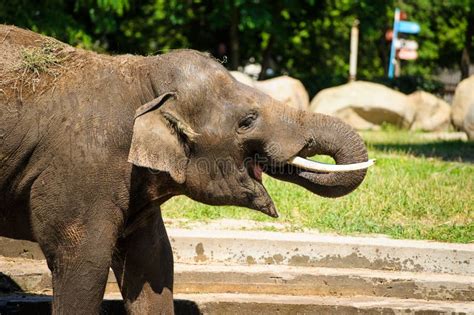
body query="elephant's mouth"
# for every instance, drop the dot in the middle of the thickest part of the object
(259, 198)
(307, 173)
(256, 171)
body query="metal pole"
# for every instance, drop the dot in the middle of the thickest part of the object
(392, 61)
(353, 55)
(398, 67)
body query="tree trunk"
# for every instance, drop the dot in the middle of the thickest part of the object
(234, 37)
(465, 59)
(267, 53)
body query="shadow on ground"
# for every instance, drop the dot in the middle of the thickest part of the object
(458, 151)
(41, 305)
(15, 302)
(7, 285)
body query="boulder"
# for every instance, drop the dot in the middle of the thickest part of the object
(462, 112)
(469, 122)
(287, 90)
(365, 105)
(242, 78)
(431, 112)
(351, 117)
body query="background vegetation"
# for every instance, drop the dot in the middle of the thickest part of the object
(308, 39)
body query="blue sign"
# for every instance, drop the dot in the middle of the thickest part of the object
(399, 27)
(408, 27)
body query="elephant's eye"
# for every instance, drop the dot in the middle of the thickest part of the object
(247, 122)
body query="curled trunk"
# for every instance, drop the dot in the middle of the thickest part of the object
(326, 135)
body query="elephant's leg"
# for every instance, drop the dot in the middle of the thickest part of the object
(80, 267)
(79, 284)
(78, 240)
(143, 266)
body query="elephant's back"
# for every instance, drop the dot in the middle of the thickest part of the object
(47, 88)
(31, 64)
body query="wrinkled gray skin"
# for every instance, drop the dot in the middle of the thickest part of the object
(66, 182)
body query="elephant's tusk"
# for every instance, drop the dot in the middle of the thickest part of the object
(323, 167)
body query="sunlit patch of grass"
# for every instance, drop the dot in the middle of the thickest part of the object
(418, 189)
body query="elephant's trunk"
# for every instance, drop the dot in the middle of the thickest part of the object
(326, 135)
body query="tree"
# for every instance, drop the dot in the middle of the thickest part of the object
(308, 39)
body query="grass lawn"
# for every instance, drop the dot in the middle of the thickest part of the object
(419, 189)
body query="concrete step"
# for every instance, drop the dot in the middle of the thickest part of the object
(300, 249)
(306, 281)
(259, 304)
(281, 304)
(320, 250)
(34, 276)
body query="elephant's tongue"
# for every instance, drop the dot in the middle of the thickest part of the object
(257, 172)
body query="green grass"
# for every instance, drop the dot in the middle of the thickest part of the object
(419, 189)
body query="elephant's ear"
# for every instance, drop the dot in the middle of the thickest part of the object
(155, 143)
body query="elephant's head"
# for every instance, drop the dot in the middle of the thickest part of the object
(215, 137)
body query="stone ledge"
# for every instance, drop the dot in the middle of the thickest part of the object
(258, 304)
(33, 276)
(300, 249)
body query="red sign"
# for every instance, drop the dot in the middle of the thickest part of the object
(407, 54)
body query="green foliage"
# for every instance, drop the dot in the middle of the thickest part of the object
(307, 39)
(411, 83)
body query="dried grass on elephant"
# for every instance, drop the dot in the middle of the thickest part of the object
(33, 64)
(29, 63)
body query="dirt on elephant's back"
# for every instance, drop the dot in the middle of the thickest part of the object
(31, 64)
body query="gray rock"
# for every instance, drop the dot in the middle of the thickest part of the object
(284, 89)
(463, 107)
(469, 122)
(242, 78)
(287, 90)
(431, 112)
(365, 105)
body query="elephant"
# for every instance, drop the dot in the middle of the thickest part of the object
(91, 145)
